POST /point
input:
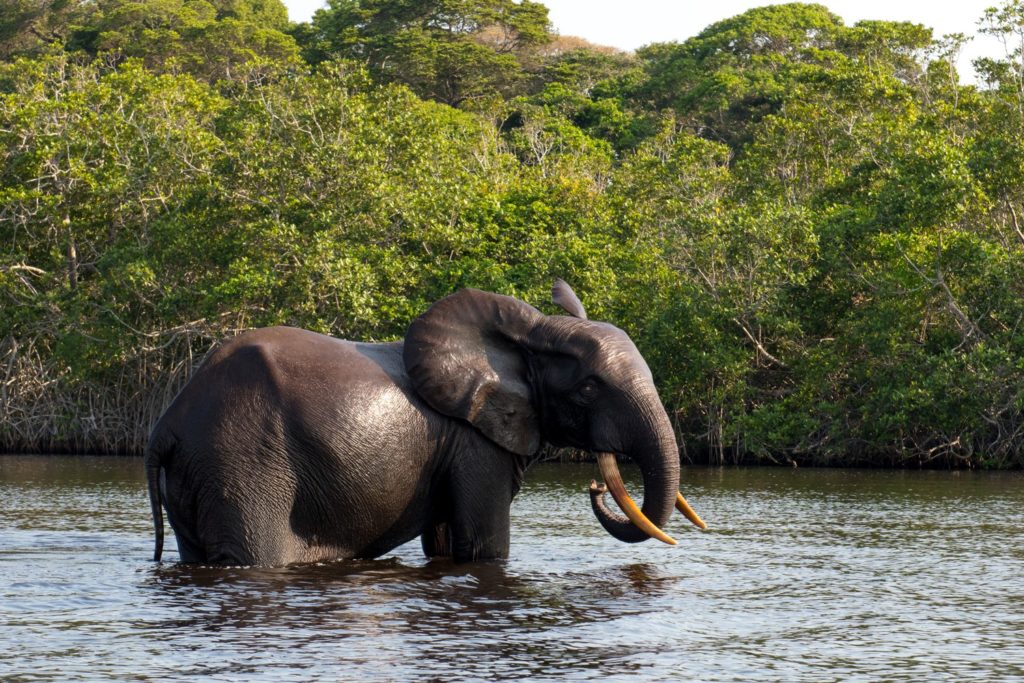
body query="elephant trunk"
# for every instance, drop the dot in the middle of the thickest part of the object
(658, 457)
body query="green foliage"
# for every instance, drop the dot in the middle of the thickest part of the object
(447, 50)
(30, 27)
(736, 72)
(812, 231)
(205, 38)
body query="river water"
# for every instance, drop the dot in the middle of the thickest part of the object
(805, 575)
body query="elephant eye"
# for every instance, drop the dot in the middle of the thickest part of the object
(587, 390)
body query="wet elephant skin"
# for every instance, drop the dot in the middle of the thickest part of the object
(290, 446)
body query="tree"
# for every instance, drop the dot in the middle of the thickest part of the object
(207, 39)
(738, 70)
(741, 70)
(28, 27)
(447, 50)
(204, 39)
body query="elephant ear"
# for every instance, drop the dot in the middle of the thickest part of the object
(562, 295)
(466, 359)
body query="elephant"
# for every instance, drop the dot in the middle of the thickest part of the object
(289, 446)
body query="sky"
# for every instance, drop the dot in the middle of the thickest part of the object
(630, 24)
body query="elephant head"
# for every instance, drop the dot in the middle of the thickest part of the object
(522, 378)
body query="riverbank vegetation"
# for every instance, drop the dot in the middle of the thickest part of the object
(813, 231)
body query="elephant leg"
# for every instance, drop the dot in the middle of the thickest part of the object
(482, 488)
(437, 540)
(190, 551)
(180, 506)
(480, 530)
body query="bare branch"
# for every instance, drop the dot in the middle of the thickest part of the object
(1016, 223)
(760, 348)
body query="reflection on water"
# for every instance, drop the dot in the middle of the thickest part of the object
(806, 575)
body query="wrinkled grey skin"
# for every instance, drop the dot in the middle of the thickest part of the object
(290, 446)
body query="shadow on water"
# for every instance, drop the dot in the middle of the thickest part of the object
(438, 593)
(489, 619)
(321, 595)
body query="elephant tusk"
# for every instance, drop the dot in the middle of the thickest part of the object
(613, 480)
(688, 512)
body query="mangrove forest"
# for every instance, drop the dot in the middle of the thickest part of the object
(813, 231)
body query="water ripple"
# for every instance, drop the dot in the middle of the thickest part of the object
(805, 576)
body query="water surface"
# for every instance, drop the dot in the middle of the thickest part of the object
(806, 575)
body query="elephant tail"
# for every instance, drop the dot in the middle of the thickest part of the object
(153, 460)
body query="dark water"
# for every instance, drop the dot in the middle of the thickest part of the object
(806, 576)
